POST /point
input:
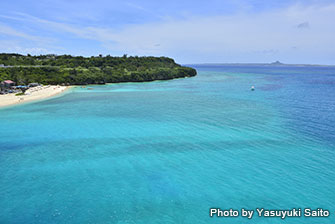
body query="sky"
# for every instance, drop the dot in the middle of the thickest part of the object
(190, 31)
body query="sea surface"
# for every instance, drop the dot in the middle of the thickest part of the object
(168, 151)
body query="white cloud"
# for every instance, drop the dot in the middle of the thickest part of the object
(6, 30)
(242, 37)
(14, 46)
(229, 37)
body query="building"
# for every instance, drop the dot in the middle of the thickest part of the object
(8, 83)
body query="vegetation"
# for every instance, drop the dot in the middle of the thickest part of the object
(70, 70)
(19, 94)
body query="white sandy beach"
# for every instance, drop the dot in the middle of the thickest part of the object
(35, 93)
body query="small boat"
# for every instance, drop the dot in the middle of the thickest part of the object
(252, 88)
(89, 88)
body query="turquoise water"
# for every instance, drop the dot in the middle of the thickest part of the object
(167, 152)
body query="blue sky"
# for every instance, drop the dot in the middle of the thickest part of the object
(190, 31)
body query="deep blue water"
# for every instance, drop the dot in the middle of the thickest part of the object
(167, 152)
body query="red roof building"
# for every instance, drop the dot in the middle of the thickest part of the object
(9, 82)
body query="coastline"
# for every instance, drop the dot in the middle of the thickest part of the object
(45, 92)
(33, 94)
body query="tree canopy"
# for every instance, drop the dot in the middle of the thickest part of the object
(78, 70)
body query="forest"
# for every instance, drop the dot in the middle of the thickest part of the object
(77, 70)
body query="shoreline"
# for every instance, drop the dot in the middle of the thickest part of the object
(33, 94)
(45, 92)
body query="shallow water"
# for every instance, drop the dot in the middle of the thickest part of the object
(167, 152)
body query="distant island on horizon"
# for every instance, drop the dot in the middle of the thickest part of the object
(54, 69)
(276, 63)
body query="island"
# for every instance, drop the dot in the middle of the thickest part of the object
(25, 78)
(78, 70)
(277, 63)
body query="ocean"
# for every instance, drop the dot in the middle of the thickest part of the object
(169, 151)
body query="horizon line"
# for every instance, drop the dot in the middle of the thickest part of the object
(258, 63)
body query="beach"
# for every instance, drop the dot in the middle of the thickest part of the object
(35, 93)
